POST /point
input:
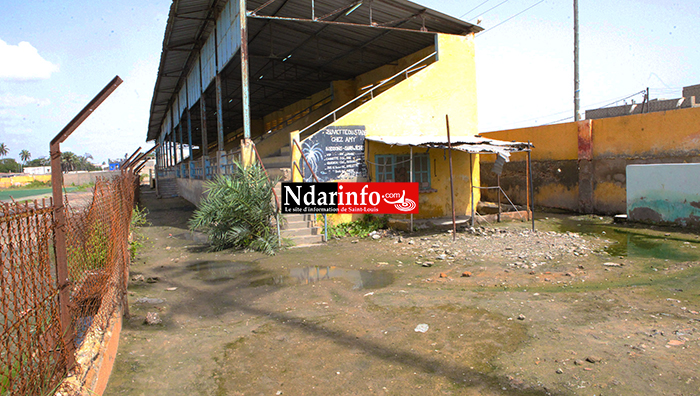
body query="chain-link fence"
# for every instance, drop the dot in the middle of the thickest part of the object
(34, 357)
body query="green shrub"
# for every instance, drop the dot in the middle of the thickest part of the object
(138, 219)
(238, 211)
(360, 228)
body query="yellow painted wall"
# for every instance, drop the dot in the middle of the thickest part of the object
(552, 142)
(6, 182)
(652, 134)
(668, 136)
(417, 107)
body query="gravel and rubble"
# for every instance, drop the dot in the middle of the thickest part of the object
(514, 248)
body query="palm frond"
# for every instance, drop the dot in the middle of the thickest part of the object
(238, 211)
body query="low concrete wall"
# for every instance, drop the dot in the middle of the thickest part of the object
(191, 189)
(79, 178)
(94, 360)
(664, 193)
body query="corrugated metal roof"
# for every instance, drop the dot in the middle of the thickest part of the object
(469, 144)
(291, 59)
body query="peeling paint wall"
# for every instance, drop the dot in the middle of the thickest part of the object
(664, 193)
(582, 166)
(554, 166)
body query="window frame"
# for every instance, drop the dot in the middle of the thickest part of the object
(419, 174)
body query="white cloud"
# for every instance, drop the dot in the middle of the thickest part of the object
(23, 62)
(9, 100)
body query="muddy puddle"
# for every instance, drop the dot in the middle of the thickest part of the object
(220, 271)
(636, 243)
(197, 237)
(360, 279)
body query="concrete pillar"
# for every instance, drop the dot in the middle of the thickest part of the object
(190, 164)
(205, 138)
(248, 156)
(219, 126)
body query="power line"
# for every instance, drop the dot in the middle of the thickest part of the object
(588, 106)
(488, 30)
(626, 97)
(497, 5)
(557, 121)
(465, 14)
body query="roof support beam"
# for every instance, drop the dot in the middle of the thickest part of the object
(364, 25)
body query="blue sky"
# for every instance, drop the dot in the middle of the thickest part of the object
(55, 56)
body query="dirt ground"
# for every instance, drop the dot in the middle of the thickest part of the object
(579, 307)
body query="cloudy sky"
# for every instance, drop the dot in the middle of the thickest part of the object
(55, 56)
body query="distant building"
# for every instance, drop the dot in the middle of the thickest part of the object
(691, 98)
(37, 170)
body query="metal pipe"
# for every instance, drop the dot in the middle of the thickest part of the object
(350, 24)
(219, 126)
(411, 158)
(60, 233)
(576, 77)
(245, 83)
(125, 164)
(527, 189)
(498, 179)
(471, 184)
(452, 187)
(144, 159)
(182, 145)
(189, 143)
(203, 125)
(532, 192)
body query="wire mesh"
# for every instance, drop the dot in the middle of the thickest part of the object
(33, 356)
(98, 254)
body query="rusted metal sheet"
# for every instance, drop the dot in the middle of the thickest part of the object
(208, 61)
(228, 33)
(352, 42)
(585, 141)
(664, 193)
(219, 125)
(167, 124)
(181, 102)
(194, 85)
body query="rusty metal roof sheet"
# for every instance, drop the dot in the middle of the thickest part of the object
(469, 144)
(291, 56)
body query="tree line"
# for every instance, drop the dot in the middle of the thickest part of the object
(69, 161)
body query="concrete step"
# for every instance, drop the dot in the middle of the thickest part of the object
(281, 161)
(307, 240)
(299, 232)
(299, 217)
(295, 225)
(285, 151)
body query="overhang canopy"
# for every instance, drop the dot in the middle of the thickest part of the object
(296, 48)
(469, 144)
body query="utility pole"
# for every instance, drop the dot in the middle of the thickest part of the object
(576, 87)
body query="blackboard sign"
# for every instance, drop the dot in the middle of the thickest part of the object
(335, 153)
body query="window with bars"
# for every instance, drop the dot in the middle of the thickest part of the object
(397, 168)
